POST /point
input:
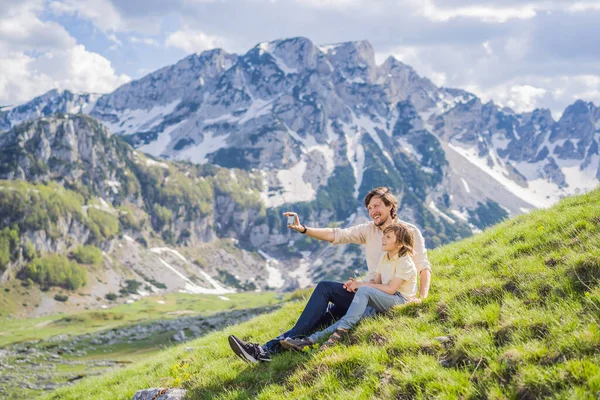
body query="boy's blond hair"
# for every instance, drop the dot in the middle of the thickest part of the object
(404, 237)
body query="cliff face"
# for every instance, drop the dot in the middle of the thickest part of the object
(68, 182)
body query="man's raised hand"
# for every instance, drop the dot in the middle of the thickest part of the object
(296, 225)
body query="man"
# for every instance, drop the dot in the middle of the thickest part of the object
(382, 207)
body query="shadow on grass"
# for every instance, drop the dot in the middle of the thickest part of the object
(253, 379)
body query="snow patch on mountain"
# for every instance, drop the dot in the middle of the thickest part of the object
(534, 194)
(326, 48)
(197, 154)
(310, 144)
(369, 126)
(462, 215)
(275, 278)
(257, 108)
(223, 118)
(578, 180)
(466, 185)
(355, 152)
(433, 207)
(160, 145)
(302, 274)
(190, 286)
(409, 148)
(293, 187)
(132, 121)
(268, 47)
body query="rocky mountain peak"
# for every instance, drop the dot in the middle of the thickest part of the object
(355, 61)
(298, 54)
(576, 130)
(185, 77)
(54, 101)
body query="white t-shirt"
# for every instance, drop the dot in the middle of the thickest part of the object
(370, 235)
(399, 267)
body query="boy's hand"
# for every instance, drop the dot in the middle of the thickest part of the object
(353, 286)
(348, 283)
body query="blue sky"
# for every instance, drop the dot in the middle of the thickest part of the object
(522, 54)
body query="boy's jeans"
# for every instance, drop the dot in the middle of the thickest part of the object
(364, 298)
(318, 312)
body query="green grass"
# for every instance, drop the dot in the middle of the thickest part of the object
(519, 305)
(145, 310)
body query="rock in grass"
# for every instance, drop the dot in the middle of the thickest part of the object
(443, 339)
(159, 394)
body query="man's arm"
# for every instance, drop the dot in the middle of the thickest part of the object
(422, 263)
(315, 233)
(424, 281)
(353, 234)
(320, 233)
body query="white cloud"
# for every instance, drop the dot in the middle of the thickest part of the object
(501, 70)
(339, 4)
(490, 14)
(23, 77)
(528, 93)
(524, 98)
(37, 56)
(100, 12)
(21, 29)
(194, 41)
(146, 41)
(117, 43)
(487, 48)
(580, 6)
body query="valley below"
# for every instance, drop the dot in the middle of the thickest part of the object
(38, 355)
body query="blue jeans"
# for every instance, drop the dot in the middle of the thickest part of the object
(318, 312)
(365, 298)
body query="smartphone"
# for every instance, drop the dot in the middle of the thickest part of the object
(291, 219)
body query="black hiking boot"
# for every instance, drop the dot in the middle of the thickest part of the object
(249, 352)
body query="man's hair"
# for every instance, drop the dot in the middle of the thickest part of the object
(404, 237)
(385, 194)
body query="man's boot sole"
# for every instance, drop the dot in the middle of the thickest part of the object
(239, 350)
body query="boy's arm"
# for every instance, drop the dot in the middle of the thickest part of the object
(390, 288)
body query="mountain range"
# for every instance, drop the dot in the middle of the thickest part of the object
(291, 125)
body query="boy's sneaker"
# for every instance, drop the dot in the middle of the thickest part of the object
(250, 352)
(295, 344)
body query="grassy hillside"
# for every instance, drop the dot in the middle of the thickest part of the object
(517, 308)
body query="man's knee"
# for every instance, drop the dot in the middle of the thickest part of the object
(326, 285)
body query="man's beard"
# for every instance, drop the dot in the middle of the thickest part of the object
(381, 221)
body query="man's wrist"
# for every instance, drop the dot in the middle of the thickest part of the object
(304, 231)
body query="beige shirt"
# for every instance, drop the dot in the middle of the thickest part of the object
(370, 235)
(399, 267)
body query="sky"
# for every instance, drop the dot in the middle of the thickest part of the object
(520, 54)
